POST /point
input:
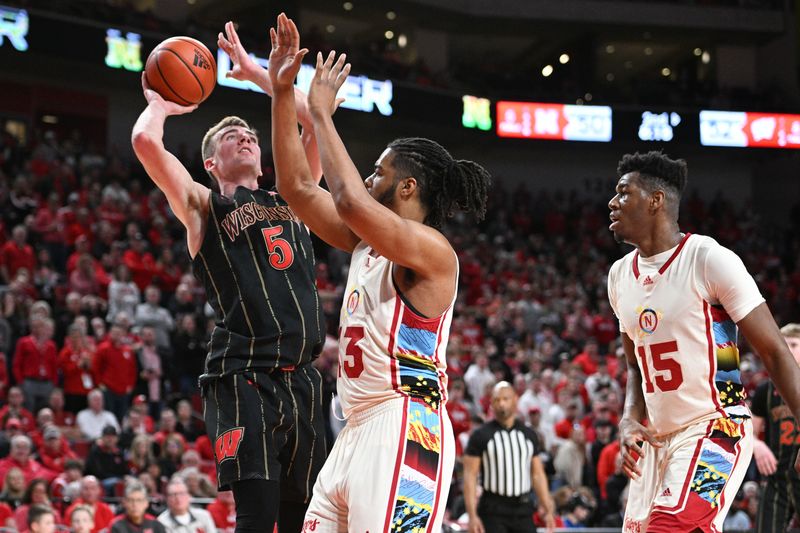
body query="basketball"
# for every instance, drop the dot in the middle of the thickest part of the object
(181, 70)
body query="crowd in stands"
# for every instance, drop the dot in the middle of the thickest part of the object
(103, 330)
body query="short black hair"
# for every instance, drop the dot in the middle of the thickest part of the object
(37, 511)
(445, 184)
(656, 169)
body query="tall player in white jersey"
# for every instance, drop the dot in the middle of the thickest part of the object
(680, 299)
(391, 466)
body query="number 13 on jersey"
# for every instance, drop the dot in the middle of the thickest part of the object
(667, 371)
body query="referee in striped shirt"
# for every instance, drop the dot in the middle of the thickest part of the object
(504, 452)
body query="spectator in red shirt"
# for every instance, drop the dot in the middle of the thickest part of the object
(589, 357)
(3, 373)
(460, 417)
(20, 457)
(83, 279)
(90, 496)
(35, 363)
(55, 450)
(63, 419)
(16, 254)
(223, 511)
(75, 362)
(115, 368)
(140, 262)
(15, 409)
(7, 516)
(604, 327)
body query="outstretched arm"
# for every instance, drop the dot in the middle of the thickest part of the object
(245, 69)
(187, 198)
(405, 242)
(294, 178)
(761, 331)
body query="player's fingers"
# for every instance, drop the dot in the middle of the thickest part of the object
(339, 64)
(273, 38)
(342, 76)
(294, 35)
(329, 60)
(649, 437)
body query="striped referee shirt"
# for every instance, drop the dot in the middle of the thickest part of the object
(506, 456)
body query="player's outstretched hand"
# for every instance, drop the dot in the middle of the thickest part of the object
(169, 108)
(286, 57)
(631, 437)
(244, 67)
(328, 78)
(765, 459)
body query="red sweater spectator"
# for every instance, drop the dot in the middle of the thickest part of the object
(75, 362)
(20, 457)
(14, 409)
(91, 492)
(140, 262)
(606, 465)
(3, 377)
(114, 364)
(223, 511)
(16, 254)
(35, 356)
(6, 512)
(55, 450)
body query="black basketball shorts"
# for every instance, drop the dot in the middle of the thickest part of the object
(267, 425)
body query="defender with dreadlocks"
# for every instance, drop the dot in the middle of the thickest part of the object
(391, 466)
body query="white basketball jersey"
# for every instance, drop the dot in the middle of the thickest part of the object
(680, 309)
(386, 349)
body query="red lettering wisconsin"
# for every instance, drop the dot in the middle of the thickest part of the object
(227, 444)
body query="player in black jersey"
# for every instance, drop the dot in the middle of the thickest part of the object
(775, 454)
(262, 397)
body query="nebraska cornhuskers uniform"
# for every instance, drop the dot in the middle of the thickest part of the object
(391, 466)
(680, 309)
(260, 391)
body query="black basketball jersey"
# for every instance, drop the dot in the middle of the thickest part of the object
(780, 428)
(257, 265)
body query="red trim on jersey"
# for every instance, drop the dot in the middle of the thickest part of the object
(674, 254)
(401, 447)
(439, 475)
(689, 476)
(712, 360)
(664, 267)
(398, 305)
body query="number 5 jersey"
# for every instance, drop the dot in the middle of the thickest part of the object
(680, 308)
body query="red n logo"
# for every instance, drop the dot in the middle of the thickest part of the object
(227, 444)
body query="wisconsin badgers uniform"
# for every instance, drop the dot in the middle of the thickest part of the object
(391, 466)
(680, 309)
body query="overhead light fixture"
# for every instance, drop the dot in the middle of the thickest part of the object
(50, 119)
(547, 70)
(610, 49)
(588, 97)
(666, 72)
(563, 59)
(402, 40)
(648, 51)
(391, 15)
(609, 77)
(330, 28)
(389, 34)
(706, 58)
(698, 52)
(347, 6)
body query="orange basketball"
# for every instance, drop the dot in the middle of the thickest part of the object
(181, 70)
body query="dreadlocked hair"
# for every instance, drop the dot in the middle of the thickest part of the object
(445, 184)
